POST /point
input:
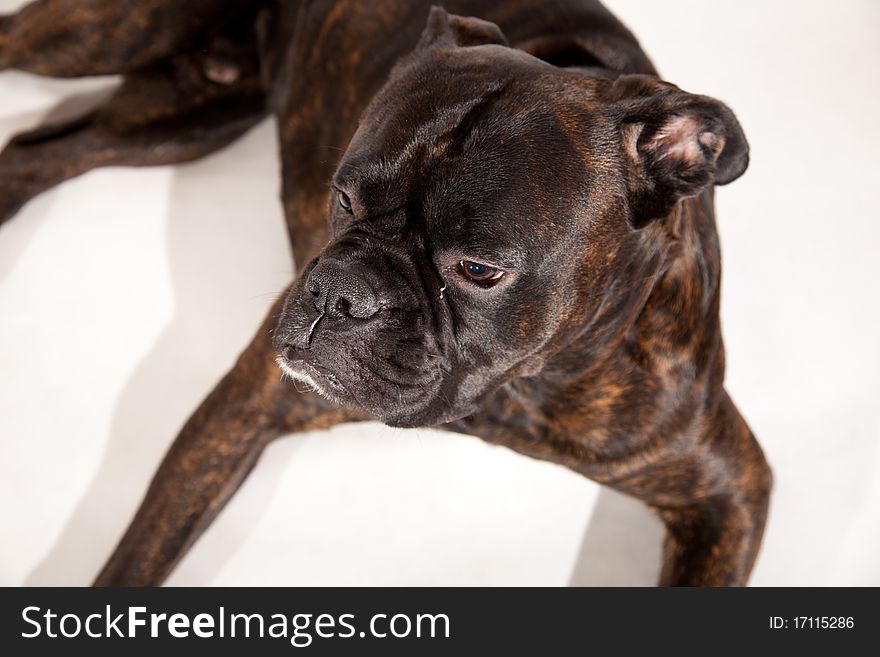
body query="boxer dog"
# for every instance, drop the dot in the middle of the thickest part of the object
(502, 222)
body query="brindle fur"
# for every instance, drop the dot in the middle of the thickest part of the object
(636, 402)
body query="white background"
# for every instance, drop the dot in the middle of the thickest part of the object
(125, 294)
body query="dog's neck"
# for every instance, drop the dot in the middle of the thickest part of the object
(679, 323)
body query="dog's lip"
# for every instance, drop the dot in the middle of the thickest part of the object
(325, 382)
(302, 366)
(316, 376)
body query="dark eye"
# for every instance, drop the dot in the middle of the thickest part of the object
(344, 201)
(485, 275)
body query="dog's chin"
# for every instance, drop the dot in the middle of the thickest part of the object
(429, 412)
(426, 412)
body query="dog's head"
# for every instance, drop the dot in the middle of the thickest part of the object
(488, 210)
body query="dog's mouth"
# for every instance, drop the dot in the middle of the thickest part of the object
(314, 378)
(378, 393)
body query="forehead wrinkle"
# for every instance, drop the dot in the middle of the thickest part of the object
(449, 126)
(454, 137)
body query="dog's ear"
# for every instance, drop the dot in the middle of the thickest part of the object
(445, 30)
(675, 144)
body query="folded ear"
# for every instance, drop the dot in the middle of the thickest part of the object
(445, 30)
(676, 144)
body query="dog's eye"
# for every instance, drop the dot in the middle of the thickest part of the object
(344, 201)
(485, 275)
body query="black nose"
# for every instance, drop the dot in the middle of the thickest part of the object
(340, 291)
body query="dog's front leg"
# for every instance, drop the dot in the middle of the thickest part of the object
(713, 503)
(710, 487)
(209, 460)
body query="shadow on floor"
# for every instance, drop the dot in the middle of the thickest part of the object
(621, 546)
(222, 247)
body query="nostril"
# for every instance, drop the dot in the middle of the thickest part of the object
(341, 291)
(342, 306)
